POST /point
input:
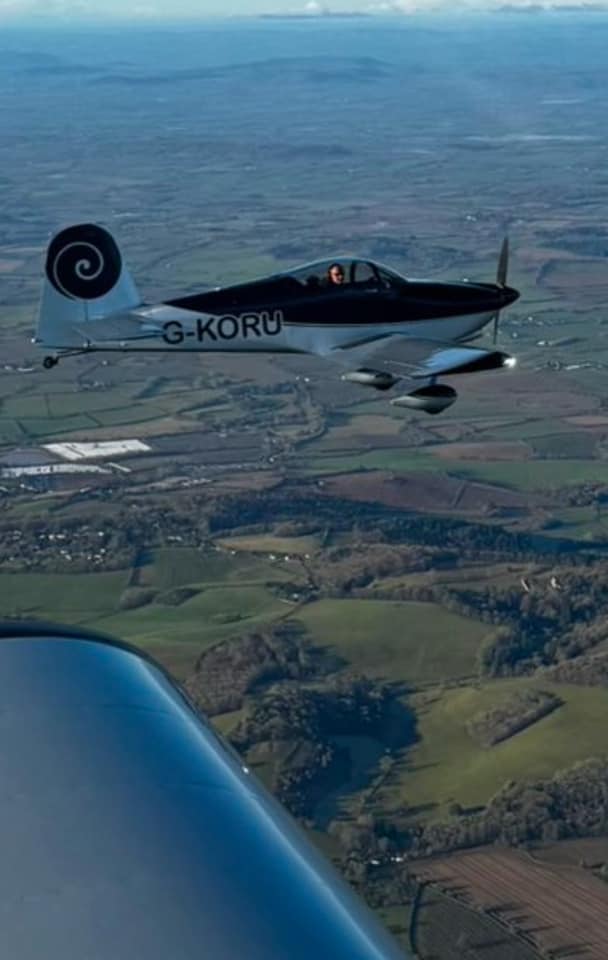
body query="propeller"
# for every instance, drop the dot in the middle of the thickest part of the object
(501, 280)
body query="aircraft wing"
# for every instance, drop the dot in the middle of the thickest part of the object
(403, 356)
(129, 830)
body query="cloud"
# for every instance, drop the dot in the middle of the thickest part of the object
(18, 7)
(59, 11)
(46, 8)
(408, 6)
(79, 10)
(470, 6)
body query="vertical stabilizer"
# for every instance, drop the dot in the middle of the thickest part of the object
(85, 281)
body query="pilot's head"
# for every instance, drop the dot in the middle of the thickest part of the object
(335, 274)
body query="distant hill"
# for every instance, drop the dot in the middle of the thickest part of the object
(553, 8)
(46, 64)
(302, 69)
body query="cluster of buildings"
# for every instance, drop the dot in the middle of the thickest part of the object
(53, 460)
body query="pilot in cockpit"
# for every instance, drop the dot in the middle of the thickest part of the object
(335, 275)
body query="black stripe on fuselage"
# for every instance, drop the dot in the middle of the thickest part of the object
(347, 306)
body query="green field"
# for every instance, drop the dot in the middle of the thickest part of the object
(344, 433)
(534, 474)
(10, 432)
(179, 566)
(40, 428)
(175, 567)
(267, 543)
(386, 423)
(414, 643)
(232, 598)
(580, 523)
(207, 617)
(398, 459)
(138, 413)
(525, 475)
(30, 405)
(527, 429)
(575, 445)
(38, 407)
(74, 598)
(37, 413)
(215, 264)
(397, 920)
(447, 765)
(67, 404)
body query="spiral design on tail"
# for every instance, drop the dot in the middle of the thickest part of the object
(83, 262)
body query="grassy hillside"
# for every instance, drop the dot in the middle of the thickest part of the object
(231, 596)
(411, 642)
(73, 598)
(447, 765)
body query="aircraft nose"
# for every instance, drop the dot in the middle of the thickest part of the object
(509, 295)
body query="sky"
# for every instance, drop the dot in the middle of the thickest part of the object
(60, 11)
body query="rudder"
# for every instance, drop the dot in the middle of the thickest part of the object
(85, 281)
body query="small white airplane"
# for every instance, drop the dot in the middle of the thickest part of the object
(376, 325)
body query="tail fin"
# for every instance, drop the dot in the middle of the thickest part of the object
(84, 282)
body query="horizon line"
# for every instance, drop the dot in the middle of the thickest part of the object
(448, 13)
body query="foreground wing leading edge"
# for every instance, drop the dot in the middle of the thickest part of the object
(129, 830)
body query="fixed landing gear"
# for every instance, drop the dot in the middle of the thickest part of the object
(52, 359)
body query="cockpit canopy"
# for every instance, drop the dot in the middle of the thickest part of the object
(355, 274)
(309, 280)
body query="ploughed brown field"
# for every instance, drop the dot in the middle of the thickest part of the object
(591, 421)
(491, 450)
(581, 280)
(591, 852)
(448, 930)
(533, 393)
(557, 908)
(426, 491)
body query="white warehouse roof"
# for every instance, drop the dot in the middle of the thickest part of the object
(86, 451)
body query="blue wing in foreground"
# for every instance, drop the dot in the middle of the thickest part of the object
(129, 831)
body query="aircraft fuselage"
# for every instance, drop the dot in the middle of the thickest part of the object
(274, 316)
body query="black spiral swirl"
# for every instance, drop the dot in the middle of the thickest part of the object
(83, 262)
